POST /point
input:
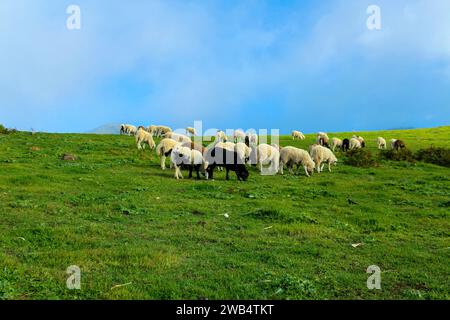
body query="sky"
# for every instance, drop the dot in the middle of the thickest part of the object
(303, 65)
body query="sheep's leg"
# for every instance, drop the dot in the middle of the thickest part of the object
(228, 171)
(190, 172)
(281, 167)
(321, 168)
(163, 162)
(329, 166)
(197, 169)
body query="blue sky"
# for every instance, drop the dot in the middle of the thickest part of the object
(305, 65)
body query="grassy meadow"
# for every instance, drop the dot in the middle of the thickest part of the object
(124, 221)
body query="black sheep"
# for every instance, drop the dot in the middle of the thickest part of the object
(345, 145)
(399, 144)
(219, 157)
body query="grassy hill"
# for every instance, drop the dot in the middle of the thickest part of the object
(122, 220)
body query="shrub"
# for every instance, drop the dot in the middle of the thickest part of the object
(439, 156)
(360, 158)
(398, 155)
(4, 130)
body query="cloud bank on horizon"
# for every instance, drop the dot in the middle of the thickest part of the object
(232, 64)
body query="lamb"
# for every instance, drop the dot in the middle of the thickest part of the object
(291, 156)
(398, 144)
(381, 143)
(177, 137)
(297, 135)
(322, 155)
(238, 136)
(184, 157)
(336, 143)
(345, 145)
(143, 136)
(221, 136)
(355, 144)
(268, 154)
(230, 160)
(164, 149)
(190, 130)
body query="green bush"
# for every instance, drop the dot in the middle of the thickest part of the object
(439, 156)
(398, 155)
(360, 158)
(4, 130)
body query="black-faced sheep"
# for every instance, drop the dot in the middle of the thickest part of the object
(398, 144)
(345, 145)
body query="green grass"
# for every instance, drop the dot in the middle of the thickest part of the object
(121, 219)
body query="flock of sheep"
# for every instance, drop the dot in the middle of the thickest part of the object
(243, 151)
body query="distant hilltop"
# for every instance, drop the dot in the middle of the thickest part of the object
(111, 128)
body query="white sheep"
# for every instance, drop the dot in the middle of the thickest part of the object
(190, 130)
(221, 136)
(267, 154)
(164, 149)
(239, 136)
(161, 130)
(184, 156)
(335, 143)
(322, 155)
(243, 151)
(322, 139)
(291, 156)
(152, 129)
(297, 135)
(177, 137)
(130, 129)
(381, 143)
(355, 143)
(143, 137)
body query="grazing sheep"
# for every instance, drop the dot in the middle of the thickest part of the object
(230, 160)
(291, 156)
(130, 129)
(251, 139)
(221, 136)
(190, 130)
(238, 136)
(381, 143)
(398, 144)
(322, 155)
(355, 144)
(297, 135)
(177, 137)
(322, 139)
(345, 145)
(122, 129)
(268, 154)
(164, 149)
(143, 137)
(360, 139)
(162, 130)
(187, 158)
(336, 143)
(152, 130)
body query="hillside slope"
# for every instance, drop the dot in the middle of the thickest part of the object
(122, 220)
